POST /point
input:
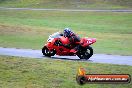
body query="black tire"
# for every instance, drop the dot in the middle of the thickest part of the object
(46, 52)
(85, 53)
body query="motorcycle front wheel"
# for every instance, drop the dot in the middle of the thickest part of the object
(85, 53)
(47, 53)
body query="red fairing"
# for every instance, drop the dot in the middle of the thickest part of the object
(64, 40)
(87, 41)
(49, 45)
(61, 50)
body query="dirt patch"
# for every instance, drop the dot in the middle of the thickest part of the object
(18, 30)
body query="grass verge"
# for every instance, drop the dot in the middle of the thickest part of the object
(20, 72)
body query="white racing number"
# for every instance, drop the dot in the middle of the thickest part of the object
(89, 41)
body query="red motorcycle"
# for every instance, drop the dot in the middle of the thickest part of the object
(55, 44)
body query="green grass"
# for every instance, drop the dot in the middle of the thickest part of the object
(69, 4)
(30, 29)
(19, 72)
(88, 21)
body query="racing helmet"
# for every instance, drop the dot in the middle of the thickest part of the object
(67, 32)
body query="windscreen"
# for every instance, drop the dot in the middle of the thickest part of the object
(55, 35)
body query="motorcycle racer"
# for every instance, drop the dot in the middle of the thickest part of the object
(73, 38)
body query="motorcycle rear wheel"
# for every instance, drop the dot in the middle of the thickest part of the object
(85, 53)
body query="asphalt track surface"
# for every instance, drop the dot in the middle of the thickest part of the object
(96, 58)
(71, 10)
